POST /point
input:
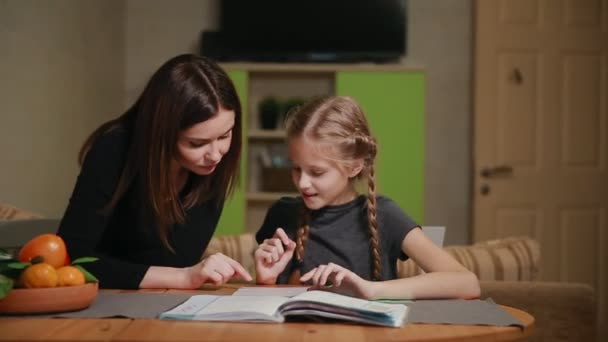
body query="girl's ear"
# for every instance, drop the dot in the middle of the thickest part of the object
(356, 168)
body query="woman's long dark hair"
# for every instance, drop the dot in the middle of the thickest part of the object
(184, 91)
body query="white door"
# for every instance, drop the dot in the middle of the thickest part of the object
(541, 133)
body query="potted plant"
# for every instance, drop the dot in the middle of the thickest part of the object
(269, 110)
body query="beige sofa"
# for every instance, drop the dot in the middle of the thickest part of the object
(508, 270)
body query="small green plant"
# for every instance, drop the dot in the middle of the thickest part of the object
(269, 110)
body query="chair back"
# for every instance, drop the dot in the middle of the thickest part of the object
(435, 233)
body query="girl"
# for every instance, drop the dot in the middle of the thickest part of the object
(345, 242)
(153, 182)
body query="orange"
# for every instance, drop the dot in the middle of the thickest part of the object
(49, 246)
(69, 276)
(39, 275)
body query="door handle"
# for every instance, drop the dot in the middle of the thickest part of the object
(496, 171)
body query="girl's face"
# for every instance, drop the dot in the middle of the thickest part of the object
(201, 147)
(321, 181)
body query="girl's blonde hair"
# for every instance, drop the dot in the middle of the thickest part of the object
(337, 124)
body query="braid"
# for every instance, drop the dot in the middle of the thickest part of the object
(366, 145)
(303, 231)
(302, 238)
(373, 223)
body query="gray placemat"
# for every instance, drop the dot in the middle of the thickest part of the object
(458, 311)
(131, 305)
(124, 304)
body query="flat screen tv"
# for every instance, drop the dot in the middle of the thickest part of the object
(309, 31)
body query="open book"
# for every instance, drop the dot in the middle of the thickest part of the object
(277, 308)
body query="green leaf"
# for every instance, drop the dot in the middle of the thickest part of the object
(87, 276)
(4, 263)
(84, 260)
(18, 265)
(6, 284)
(8, 271)
(5, 255)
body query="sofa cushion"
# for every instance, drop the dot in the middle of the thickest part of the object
(238, 247)
(512, 258)
(9, 212)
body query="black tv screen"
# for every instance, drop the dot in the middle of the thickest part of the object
(312, 30)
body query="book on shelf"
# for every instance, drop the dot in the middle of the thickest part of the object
(310, 304)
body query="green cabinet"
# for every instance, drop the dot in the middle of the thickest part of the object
(394, 105)
(232, 220)
(393, 99)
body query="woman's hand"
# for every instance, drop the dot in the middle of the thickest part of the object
(335, 278)
(216, 269)
(272, 256)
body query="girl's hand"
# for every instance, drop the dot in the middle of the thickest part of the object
(272, 256)
(335, 278)
(216, 269)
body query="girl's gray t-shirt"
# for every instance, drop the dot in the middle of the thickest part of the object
(340, 234)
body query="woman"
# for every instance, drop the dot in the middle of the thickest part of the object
(154, 180)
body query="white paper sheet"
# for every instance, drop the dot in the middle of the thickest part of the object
(283, 291)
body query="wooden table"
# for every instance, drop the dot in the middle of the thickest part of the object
(110, 329)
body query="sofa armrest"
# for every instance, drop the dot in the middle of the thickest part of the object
(9, 212)
(562, 311)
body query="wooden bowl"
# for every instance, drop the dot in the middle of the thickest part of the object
(48, 300)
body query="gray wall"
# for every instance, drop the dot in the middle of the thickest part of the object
(441, 40)
(61, 70)
(157, 30)
(68, 65)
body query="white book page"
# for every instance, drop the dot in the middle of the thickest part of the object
(190, 307)
(283, 291)
(325, 297)
(238, 306)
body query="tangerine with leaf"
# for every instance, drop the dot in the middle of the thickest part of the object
(50, 247)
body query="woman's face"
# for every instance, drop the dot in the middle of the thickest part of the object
(202, 146)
